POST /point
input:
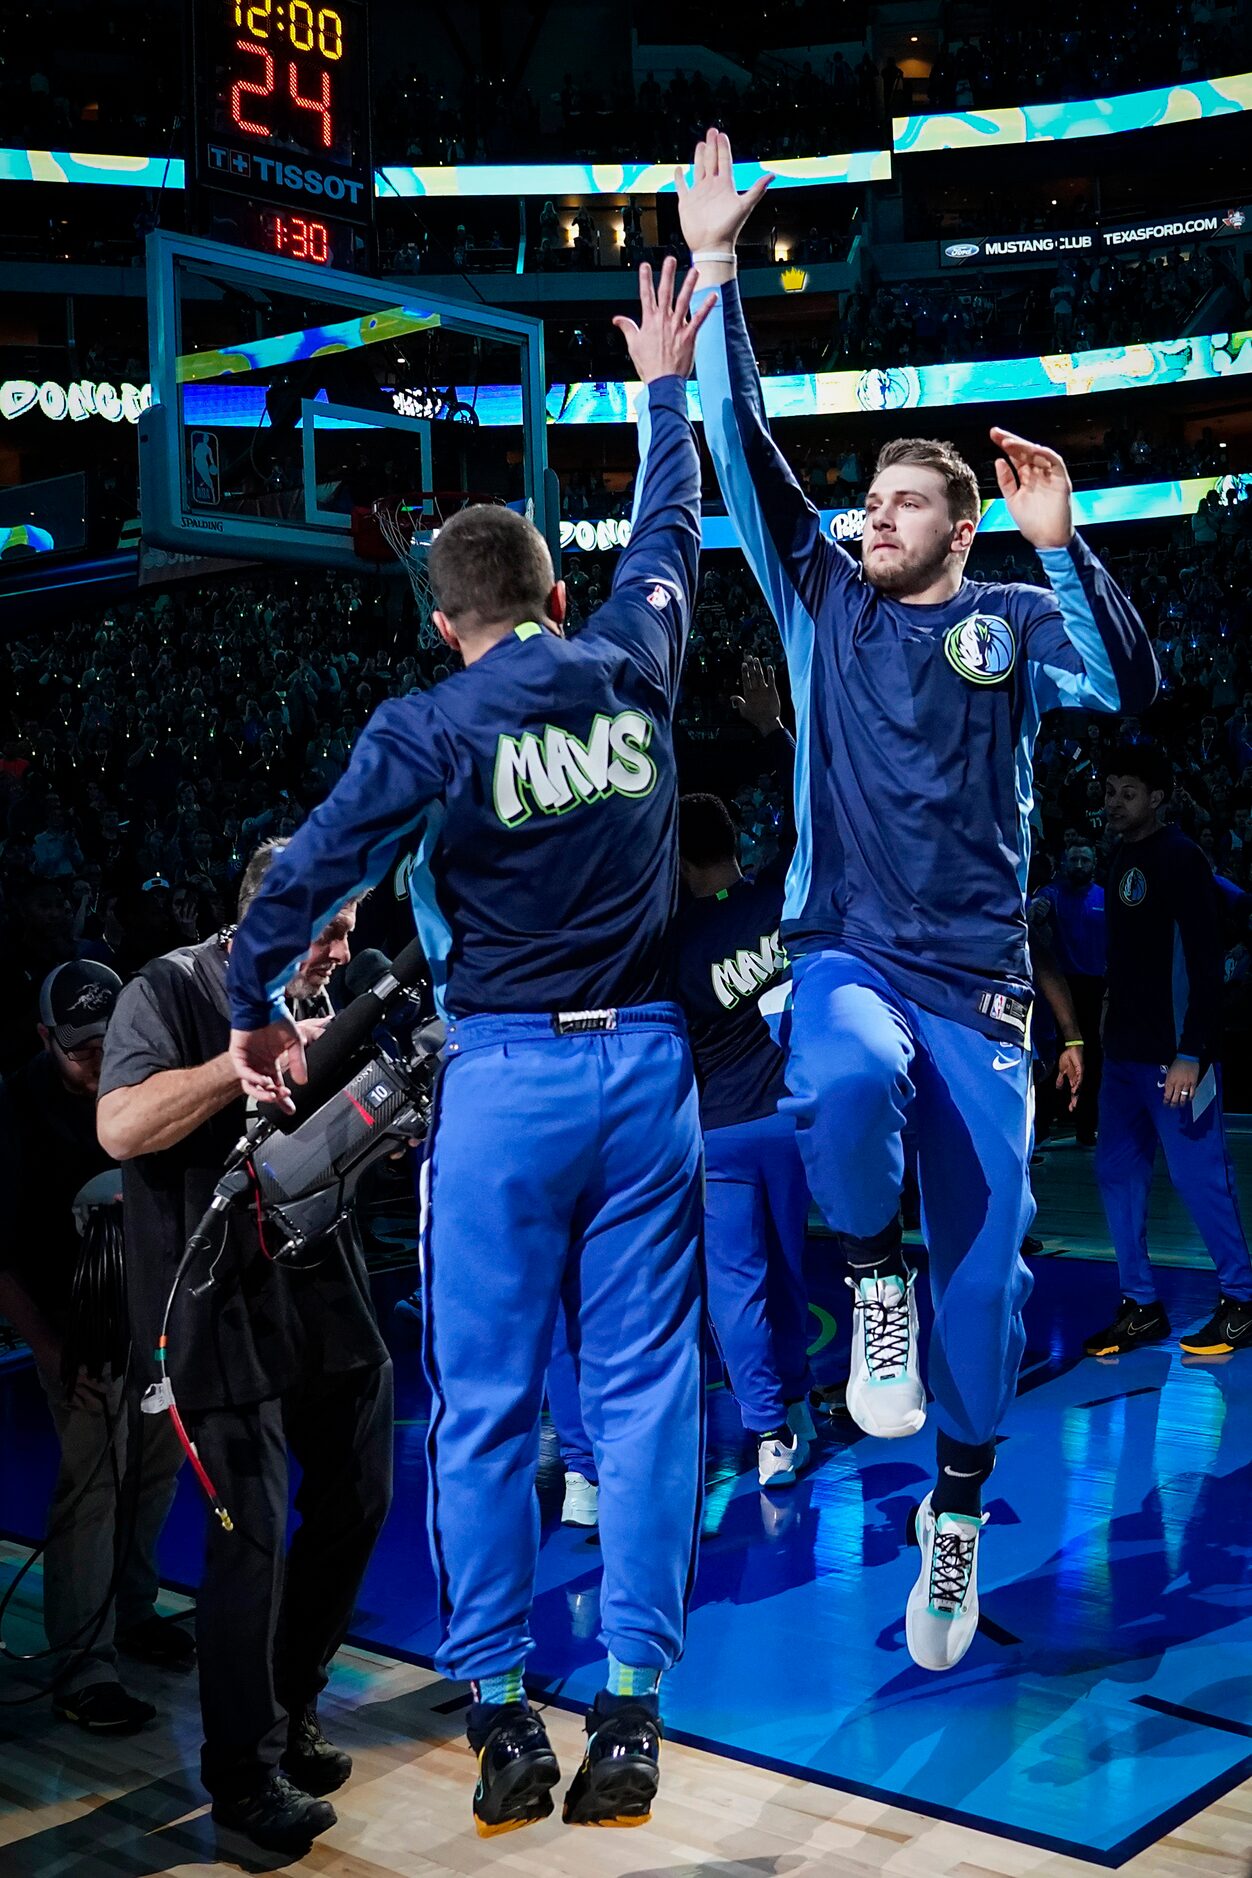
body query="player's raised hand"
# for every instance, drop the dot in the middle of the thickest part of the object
(664, 340)
(758, 702)
(1035, 484)
(710, 208)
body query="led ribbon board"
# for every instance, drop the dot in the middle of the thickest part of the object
(619, 179)
(461, 179)
(1133, 502)
(1215, 356)
(1094, 117)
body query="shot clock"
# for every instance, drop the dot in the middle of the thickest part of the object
(281, 92)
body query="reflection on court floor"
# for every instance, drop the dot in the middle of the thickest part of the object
(1106, 1696)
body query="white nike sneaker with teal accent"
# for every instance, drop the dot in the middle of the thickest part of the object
(942, 1613)
(885, 1394)
(581, 1506)
(778, 1462)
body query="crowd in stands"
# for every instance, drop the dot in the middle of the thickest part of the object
(148, 749)
(127, 96)
(1035, 52)
(1139, 295)
(777, 111)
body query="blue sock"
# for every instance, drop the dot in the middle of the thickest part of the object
(495, 1691)
(626, 1679)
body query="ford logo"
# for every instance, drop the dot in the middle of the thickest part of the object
(961, 250)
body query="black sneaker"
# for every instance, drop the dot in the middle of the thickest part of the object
(104, 1709)
(159, 1640)
(1229, 1328)
(278, 1816)
(1134, 1326)
(517, 1771)
(311, 1762)
(620, 1772)
(830, 1399)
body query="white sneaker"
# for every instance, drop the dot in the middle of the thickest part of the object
(581, 1506)
(885, 1394)
(800, 1421)
(777, 1464)
(942, 1613)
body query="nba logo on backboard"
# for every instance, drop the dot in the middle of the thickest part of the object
(206, 487)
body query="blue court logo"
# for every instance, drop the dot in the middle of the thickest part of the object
(1132, 888)
(981, 649)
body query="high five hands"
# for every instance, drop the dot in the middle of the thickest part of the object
(664, 339)
(710, 208)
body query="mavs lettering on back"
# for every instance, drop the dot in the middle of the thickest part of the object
(558, 771)
(747, 970)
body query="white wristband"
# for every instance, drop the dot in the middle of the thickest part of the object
(725, 255)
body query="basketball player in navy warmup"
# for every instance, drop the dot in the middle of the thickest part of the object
(731, 968)
(1162, 1081)
(563, 1162)
(917, 696)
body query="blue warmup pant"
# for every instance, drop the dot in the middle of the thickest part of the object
(563, 1170)
(1133, 1118)
(756, 1205)
(565, 1406)
(863, 1063)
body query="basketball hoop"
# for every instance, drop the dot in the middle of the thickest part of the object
(401, 528)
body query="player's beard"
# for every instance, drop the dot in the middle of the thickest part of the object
(902, 572)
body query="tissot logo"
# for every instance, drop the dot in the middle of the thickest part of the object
(307, 182)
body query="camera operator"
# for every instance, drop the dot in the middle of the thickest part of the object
(99, 1564)
(265, 1360)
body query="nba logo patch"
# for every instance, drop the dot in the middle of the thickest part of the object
(659, 597)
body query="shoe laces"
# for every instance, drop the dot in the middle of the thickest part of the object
(951, 1568)
(885, 1319)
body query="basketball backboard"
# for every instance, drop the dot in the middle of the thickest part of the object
(286, 396)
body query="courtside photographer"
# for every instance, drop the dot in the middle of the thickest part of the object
(268, 1360)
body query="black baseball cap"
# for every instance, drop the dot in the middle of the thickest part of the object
(76, 1001)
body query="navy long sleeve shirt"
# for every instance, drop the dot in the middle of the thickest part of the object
(1165, 952)
(915, 724)
(537, 786)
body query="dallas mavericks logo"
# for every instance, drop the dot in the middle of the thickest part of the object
(981, 649)
(1133, 888)
(893, 388)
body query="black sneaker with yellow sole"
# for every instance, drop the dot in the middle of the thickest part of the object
(517, 1771)
(1228, 1329)
(1134, 1327)
(621, 1770)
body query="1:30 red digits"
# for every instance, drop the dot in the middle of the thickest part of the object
(303, 241)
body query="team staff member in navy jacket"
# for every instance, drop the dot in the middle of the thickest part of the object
(1162, 1081)
(563, 1164)
(731, 963)
(917, 695)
